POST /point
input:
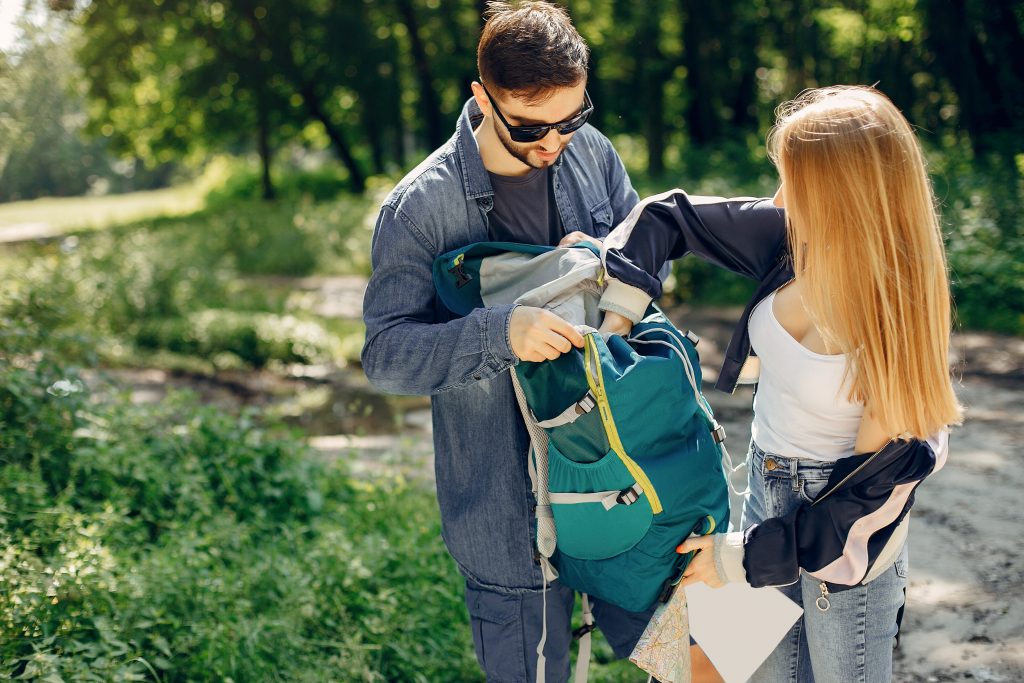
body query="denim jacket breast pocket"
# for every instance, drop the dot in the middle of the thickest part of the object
(601, 217)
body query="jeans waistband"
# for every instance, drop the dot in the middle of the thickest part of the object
(773, 464)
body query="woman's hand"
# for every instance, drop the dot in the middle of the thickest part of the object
(575, 237)
(615, 324)
(702, 566)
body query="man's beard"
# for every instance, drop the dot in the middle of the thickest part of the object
(518, 150)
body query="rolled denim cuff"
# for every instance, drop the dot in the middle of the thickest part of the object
(729, 557)
(496, 340)
(626, 300)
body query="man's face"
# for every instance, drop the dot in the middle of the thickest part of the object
(562, 104)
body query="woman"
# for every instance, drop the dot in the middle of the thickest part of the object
(851, 326)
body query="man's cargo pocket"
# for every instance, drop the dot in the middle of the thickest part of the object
(497, 634)
(595, 530)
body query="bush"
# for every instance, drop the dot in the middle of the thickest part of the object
(253, 338)
(981, 200)
(181, 543)
(204, 284)
(244, 183)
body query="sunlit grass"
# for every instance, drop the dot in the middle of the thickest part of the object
(50, 216)
(62, 214)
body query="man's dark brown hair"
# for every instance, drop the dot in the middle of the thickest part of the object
(529, 49)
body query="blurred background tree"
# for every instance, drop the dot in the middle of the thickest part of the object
(380, 82)
(114, 95)
(43, 148)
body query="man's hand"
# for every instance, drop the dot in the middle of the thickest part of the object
(538, 335)
(616, 324)
(702, 566)
(576, 237)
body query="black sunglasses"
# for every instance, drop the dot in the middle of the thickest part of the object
(534, 133)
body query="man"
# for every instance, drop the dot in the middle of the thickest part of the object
(521, 167)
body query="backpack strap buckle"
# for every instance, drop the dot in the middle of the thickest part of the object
(630, 495)
(585, 404)
(583, 630)
(623, 497)
(570, 414)
(718, 431)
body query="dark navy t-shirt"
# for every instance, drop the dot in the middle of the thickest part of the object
(524, 209)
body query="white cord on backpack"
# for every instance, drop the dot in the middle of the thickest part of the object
(546, 533)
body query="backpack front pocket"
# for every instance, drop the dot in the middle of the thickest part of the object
(600, 510)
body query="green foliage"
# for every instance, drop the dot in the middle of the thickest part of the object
(252, 338)
(167, 80)
(201, 285)
(244, 184)
(232, 75)
(179, 543)
(980, 199)
(42, 117)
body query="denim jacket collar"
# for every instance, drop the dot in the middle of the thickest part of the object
(474, 176)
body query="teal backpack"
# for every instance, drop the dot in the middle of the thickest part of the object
(627, 456)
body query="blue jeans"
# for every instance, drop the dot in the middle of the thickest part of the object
(851, 642)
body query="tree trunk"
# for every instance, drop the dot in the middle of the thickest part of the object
(743, 100)
(398, 120)
(464, 72)
(700, 114)
(597, 93)
(374, 135)
(263, 145)
(651, 73)
(962, 57)
(337, 138)
(481, 9)
(428, 99)
(314, 106)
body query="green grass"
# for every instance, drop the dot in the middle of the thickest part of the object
(178, 542)
(65, 214)
(215, 285)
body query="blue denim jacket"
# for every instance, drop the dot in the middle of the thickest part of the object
(415, 346)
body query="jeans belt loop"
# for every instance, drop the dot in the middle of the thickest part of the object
(793, 462)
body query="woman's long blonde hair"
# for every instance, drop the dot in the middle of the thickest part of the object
(867, 249)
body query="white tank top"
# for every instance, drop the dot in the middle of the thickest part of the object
(800, 408)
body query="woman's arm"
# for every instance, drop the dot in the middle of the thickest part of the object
(836, 539)
(871, 435)
(743, 235)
